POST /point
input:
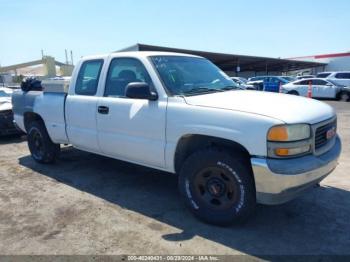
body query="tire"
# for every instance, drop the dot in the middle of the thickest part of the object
(344, 96)
(41, 147)
(293, 93)
(218, 188)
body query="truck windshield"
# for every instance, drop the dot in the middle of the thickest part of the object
(184, 75)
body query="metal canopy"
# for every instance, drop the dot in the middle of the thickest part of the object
(229, 62)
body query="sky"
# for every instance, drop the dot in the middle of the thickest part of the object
(284, 28)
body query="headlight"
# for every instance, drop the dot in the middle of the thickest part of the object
(289, 140)
(286, 133)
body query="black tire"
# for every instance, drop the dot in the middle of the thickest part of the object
(217, 187)
(293, 92)
(344, 96)
(41, 147)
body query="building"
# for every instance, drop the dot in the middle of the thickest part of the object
(239, 65)
(333, 62)
(42, 68)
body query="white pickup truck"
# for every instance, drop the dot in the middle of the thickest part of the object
(179, 113)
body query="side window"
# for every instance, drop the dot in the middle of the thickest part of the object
(319, 82)
(123, 71)
(304, 82)
(88, 77)
(342, 75)
(323, 75)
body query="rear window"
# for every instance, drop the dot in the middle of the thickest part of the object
(323, 75)
(88, 77)
(343, 75)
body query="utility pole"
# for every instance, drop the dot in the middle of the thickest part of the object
(71, 57)
(65, 50)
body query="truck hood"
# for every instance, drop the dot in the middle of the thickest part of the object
(287, 108)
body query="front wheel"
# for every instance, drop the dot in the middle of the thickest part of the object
(217, 187)
(41, 147)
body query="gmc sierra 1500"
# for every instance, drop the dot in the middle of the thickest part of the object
(180, 113)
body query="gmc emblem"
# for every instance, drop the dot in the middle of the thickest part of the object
(330, 133)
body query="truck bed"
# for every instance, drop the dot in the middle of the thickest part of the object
(50, 106)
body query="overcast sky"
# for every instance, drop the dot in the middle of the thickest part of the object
(264, 28)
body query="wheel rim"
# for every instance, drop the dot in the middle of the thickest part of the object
(37, 144)
(216, 188)
(344, 97)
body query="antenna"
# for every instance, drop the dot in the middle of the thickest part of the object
(42, 53)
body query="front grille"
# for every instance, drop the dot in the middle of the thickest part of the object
(321, 134)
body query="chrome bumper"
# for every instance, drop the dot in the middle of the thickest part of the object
(278, 181)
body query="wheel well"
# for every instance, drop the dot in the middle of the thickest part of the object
(293, 92)
(29, 117)
(189, 144)
(342, 92)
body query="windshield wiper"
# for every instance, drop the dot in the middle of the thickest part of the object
(199, 90)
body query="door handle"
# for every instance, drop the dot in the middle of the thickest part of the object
(103, 110)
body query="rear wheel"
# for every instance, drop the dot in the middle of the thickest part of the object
(217, 187)
(344, 96)
(41, 147)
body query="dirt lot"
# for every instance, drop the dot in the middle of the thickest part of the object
(88, 204)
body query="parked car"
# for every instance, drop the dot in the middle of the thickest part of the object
(341, 78)
(321, 88)
(179, 113)
(289, 78)
(243, 84)
(305, 77)
(7, 127)
(267, 83)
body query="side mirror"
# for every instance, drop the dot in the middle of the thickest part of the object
(329, 84)
(140, 90)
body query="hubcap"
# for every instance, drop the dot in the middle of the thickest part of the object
(216, 187)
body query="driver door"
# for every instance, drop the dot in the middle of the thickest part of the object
(130, 129)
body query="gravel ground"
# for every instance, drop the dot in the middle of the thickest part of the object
(88, 204)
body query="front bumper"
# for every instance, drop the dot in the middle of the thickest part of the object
(280, 180)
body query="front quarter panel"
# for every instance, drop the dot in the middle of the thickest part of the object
(247, 129)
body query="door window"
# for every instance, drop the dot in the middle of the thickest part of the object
(319, 82)
(88, 77)
(123, 71)
(342, 75)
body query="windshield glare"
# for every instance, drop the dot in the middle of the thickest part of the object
(184, 75)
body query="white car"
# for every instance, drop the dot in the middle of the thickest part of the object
(340, 78)
(7, 127)
(179, 113)
(305, 77)
(242, 82)
(320, 88)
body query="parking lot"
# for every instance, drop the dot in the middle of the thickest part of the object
(88, 204)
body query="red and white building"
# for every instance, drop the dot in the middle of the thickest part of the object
(335, 62)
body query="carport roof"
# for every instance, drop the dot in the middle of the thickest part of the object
(229, 62)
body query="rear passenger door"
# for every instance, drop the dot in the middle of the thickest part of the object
(81, 104)
(303, 86)
(131, 129)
